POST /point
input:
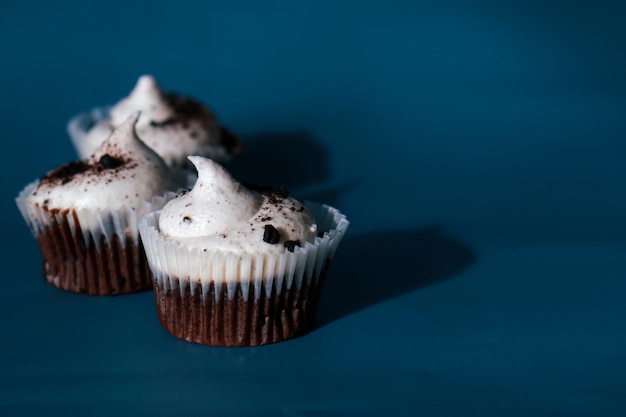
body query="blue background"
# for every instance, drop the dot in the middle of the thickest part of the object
(478, 148)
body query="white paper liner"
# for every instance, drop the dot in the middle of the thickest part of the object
(170, 261)
(92, 223)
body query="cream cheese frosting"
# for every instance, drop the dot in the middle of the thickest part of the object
(173, 125)
(220, 214)
(123, 171)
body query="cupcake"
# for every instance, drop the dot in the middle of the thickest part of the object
(84, 215)
(172, 125)
(236, 265)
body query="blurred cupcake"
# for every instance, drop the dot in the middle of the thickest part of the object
(237, 266)
(173, 125)
(84, 215)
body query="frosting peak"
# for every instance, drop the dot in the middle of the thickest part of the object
(221, 214)
(146, 95)
(216, 180)
(123, 170)
(124, 144)
(174, 126)
(146, 85)
(216, 203)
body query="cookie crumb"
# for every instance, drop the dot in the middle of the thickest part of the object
(291, 244)
(66, 172)
(271, 235)
(110, 162)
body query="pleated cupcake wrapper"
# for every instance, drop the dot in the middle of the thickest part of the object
(171, 261)
(92, 223)
(240, 300)
(92, 251)
(220, 321)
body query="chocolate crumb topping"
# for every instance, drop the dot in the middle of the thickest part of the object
(291, 244)
(66, 172)
(110, 162)
(182, 193)
(275, 194)
(185, 107)
(271, 235)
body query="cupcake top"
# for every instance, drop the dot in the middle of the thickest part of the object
(173, 125)
(122, 171)
(220, 214)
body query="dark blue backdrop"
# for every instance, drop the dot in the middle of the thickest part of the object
(478, 148)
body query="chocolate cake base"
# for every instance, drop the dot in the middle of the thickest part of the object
(200, 318)
(73, 264)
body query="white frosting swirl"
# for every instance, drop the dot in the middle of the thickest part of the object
(122, 171)
(220, 214)
(172, 125)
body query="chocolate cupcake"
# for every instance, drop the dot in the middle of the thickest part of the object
(236, 265)
(172, 125)
(84, 215)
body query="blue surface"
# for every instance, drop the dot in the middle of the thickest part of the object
(478, 148)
